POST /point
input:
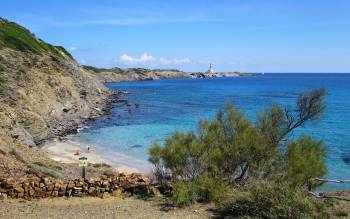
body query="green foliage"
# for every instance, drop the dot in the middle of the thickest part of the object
(17, 37)
(183, 194)
(95, 69)
(341, 213)
(205, 188)
(305, 160)
(210, 188)
(230, 149)
(268, 200)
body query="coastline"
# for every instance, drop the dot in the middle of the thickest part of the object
(63, 151)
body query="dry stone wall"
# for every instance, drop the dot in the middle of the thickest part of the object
(35, 187)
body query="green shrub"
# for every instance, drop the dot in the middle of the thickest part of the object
(209, 188)
(266, 200)
(341, 213)
(305, 161)
(233, 149)
(183, 194)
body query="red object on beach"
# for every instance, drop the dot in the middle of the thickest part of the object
(77, 152)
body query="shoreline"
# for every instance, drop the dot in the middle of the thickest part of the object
(63, 151)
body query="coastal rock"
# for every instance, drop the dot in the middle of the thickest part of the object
(104, 186)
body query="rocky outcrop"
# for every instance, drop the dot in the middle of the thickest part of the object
(219, 74)
(45, 97)
(135, 74)
(44, 93)
(34, 187)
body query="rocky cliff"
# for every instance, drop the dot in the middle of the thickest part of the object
(44, 92)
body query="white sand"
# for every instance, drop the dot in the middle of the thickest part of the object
(63, 151)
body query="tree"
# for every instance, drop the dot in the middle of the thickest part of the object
(232, 149)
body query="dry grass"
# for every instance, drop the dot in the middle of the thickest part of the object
(113, 207)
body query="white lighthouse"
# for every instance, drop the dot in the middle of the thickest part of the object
(210, 70)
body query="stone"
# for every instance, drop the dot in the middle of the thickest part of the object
(19, 189)
(54, 194)
(9, 183)
(105, 195)
(117, 193)
(154, 191)
(69, 192)
(91, 190)
(3, 196)
(70, 185)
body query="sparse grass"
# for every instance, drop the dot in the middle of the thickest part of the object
(100, 165)
(2, 81)
(341, 213)
(17, 37)
(99, 70)
(38, 167)
(17, 155)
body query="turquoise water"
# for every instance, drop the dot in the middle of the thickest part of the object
(158, 108)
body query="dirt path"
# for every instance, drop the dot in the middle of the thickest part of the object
(84, 208)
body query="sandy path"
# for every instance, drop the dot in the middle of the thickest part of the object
(89, 207)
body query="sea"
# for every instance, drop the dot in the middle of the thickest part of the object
(158, 108)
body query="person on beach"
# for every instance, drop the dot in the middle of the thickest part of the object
(90, 149)
(77, 152)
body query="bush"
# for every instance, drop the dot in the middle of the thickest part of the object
(342, 213)
(205, 188)
(268, 200)
(305, 161)
(232, 151)
(183, 194)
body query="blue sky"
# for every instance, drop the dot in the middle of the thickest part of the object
(242, 35)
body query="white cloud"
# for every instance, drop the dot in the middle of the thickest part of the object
(72, 48)
(143, 58)
(147, 58)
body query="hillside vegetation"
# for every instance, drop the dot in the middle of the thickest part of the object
(19, 38)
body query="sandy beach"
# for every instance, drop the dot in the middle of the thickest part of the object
(64, 151)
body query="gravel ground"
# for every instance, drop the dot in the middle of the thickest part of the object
(89, 207)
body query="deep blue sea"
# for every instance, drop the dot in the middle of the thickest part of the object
(158, 108)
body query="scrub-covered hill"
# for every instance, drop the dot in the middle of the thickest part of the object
(44, 93)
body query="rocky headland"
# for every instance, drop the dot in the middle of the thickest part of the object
(134, 74)
(45, 93)
(220, 74)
